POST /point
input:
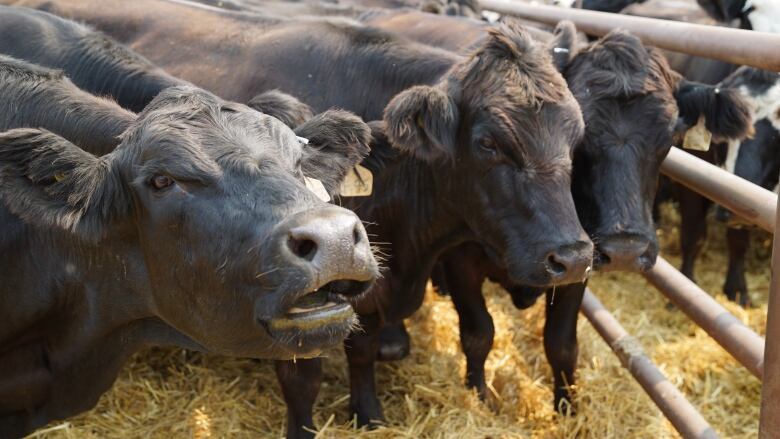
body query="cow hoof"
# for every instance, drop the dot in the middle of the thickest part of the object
(392, 352)
(490, 399)
(563, 404)
(744, 300)
(370, 419)
(300, 433)
(393, 343)
(736, 291)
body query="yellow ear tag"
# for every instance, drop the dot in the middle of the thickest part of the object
(359, 182)
(318, 188)
(698, 137)
(59, 176)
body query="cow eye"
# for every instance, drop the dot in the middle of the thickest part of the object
(488, 145)
(160, 182)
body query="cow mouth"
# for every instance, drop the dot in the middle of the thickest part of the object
(318, 317)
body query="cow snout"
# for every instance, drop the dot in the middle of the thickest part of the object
(332, 242)
(625, 252)
(569, 263)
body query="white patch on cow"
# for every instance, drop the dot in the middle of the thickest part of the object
(767, 104)
(763, 106)
(731, 155)
(766, 16)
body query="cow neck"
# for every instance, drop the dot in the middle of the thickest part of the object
(101, 66)
(409, 208)
(100, 287)
(392, 68)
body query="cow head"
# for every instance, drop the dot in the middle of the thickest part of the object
(756, 159)
(207, 199)
(634, 107)
(498, 132)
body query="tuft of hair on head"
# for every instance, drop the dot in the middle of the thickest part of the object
(620, 64)
(287, 108)
(507, 40)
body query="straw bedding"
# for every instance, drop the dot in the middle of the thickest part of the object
(170, 393)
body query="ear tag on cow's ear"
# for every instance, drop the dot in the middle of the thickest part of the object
(359, 182)
(318, 188)
(698, 137)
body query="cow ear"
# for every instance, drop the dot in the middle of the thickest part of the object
(726, 114)
(563, 46)
(49, 182)
(282, 106)
(338, 140)
(422, 121)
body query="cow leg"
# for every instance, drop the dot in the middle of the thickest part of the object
(735, 287)
(361, 348)
(693, 227)
(560, 339)
(300, 382)
(476, 326)
(393, 342)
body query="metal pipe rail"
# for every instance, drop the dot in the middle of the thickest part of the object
(683, 416)
(758, 49)
(769, 425)
(739, 340)
(740, 196)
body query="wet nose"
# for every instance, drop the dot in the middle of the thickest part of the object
(332, 241)
(570, 263)
(627, 252)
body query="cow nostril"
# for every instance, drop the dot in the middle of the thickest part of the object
(602, 258)
(554, 266)
(357, 234)
(303, 248)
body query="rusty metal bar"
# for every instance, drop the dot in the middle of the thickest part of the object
(740, 196)
(739, 340)
(769, 427)
(758, 49)
(683, 416)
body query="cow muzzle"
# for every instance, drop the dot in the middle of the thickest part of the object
(331, 246)
(625, 252)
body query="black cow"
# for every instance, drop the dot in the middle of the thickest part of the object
(756, 159)
(630, 101)
(196, 231)
(101, 66)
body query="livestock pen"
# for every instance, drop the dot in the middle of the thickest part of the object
(171, 392)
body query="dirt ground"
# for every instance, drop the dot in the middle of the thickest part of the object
(170, 393)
